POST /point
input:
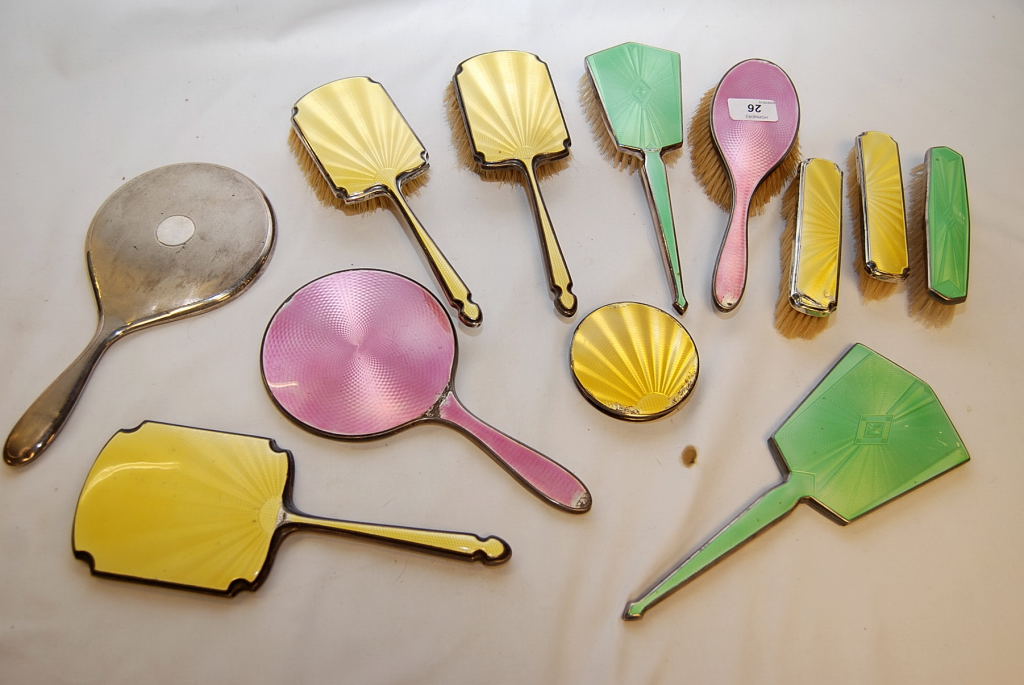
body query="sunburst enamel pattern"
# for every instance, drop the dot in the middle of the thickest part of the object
(149, 511)
(947, 224)
(868, 433)
(814, 285)
(205, 510)
(513, 119)
(633, 361)
(358, 137)
(885, 223)
(639, 89)
(364, 148)
(511, 108)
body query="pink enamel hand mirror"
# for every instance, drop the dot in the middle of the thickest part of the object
(362, 353)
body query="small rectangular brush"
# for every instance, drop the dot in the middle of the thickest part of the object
(814, 279)
(884, 215)
(947, 221)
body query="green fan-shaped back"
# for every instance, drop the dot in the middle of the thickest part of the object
(869, 432)
(640, 91)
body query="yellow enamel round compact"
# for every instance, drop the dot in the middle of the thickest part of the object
(633, 361)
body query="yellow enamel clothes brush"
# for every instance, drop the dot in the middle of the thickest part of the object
(875, 192)
(513, 120)
(640, 100)
(811, 245)
(743, 141)
(364, 149)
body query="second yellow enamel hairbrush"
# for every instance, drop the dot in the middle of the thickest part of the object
(513, 119)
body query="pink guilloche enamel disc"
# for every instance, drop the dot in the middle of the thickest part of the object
(357, 353)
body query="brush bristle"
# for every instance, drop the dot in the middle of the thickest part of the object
(670, 157)
(790, 200)
(790, 322)
(464, 149)
(594, 112)
(707, 164)
(550, 167)
(922, 305)
(325, 195)
(712, 174)
(870, 288)
(457, 124)
(317, 183)
(775, 182)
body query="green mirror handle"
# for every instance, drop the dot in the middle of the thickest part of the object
(465, 546)
(455, 289)
(656, 184)
(767, 509)
(559, 280)
(41, 422)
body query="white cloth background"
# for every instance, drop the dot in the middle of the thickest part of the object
(925, 590)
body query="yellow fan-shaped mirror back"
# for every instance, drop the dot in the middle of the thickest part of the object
(359, 139)
(182, 506)
(511, 108)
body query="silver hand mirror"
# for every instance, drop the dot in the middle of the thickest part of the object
(170, 243)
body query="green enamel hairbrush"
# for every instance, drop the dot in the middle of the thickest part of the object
(641, 99)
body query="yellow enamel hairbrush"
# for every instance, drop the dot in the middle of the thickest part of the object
(513, 120)
(365, 149)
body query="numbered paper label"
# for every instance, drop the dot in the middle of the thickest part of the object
(745, 109)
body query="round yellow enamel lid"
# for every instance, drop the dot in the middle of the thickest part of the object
(633, 361)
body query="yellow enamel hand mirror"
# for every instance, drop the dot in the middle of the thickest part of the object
(206, 510)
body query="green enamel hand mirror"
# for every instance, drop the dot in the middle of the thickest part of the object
(868, 433)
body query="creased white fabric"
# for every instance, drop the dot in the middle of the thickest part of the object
(924, 590)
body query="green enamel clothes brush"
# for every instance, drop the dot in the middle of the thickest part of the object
(639, 90)
(947, 220)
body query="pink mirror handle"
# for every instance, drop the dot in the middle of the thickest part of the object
(539, 473)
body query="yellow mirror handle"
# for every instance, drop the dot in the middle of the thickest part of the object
(490, 550)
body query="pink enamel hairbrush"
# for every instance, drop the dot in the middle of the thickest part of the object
(754, 119)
